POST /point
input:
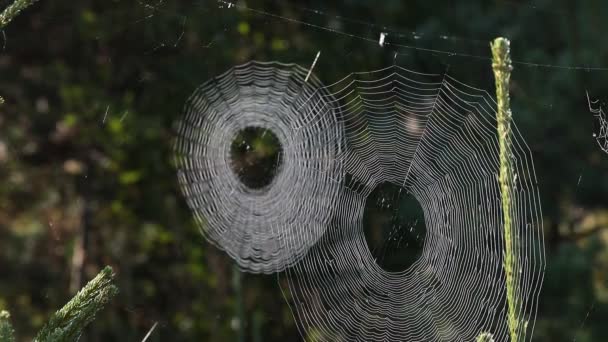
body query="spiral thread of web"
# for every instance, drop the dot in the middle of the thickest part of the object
(295, 207)
(436, 139)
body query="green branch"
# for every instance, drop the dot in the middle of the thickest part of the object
(501, 63)
(68, 323)
(7, 334)
(13, 10)
(9, 14)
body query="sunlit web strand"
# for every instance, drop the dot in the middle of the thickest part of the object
(393, 32)
(405, 46)
(436, 138)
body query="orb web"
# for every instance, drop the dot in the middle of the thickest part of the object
(428, 136)
(435, 138)
(248, 217)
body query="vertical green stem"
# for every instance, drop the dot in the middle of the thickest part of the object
(240, 306)
(13, 10)
(258, 318)
(501, 63)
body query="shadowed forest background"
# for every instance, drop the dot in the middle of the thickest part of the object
(92, 89)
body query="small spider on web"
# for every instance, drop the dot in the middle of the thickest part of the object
(602, 136)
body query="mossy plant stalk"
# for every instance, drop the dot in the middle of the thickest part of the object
(13, 10)
(501, 63)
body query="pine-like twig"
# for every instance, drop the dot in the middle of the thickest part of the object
(501, 63)
(67, 324)
(7, 334)
(13, 10)
(9, 14)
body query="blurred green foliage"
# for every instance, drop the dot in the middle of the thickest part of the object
(92, 89)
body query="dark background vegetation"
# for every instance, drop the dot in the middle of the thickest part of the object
(92, 89)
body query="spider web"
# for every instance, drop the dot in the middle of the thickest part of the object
(434, 137)
(602, 136)
(248, 223)
(430, 135)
